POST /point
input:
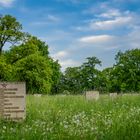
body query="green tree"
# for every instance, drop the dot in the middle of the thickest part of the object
(78, 79)
(10, 31)
(73, 79)
(30, 46)
(56, 74)
(6, 70)
(127, 70)
(29, 61)
(103, 80)
(36, 71)
(18, 56)
(90, 73)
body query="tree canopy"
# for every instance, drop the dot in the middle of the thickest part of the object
(124, 76)
(28, 61)
(127, 70)
(10, 31)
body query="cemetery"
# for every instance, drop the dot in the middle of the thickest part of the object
(91, 115)
(70, 117)
(69, 70)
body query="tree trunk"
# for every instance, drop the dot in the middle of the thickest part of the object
(0, 50)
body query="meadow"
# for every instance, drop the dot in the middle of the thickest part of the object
(75, 118)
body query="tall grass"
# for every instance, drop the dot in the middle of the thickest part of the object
(73, 117)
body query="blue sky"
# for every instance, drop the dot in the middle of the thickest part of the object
(76, 29)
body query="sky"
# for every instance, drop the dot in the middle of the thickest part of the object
(77, 29)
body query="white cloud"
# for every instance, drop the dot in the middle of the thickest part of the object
(108, 18)
(110, 13)
(104, 47)
(39, 23)
(47, 20)
(124, 1)
(132, 40)
(68, 63)
(96, 39)
(53, 18)
(111, 24)
(58, 36)
(60, 54)
(97, 8)
(6, 3)
(73, 1)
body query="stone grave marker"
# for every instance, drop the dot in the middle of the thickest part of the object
(92, 95)
(1, 102)
(113, 95)
(12, 100)
(37, 95)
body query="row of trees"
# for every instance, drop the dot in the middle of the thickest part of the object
(28, 60)
(124, 76)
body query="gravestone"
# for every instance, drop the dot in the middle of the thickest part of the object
(12, 100)
(1, 102)
(37, 95)
(92, 95)
(113, 95)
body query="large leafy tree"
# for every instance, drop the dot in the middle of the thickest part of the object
(103, 80)
(28, 61)
(33, 64)
(78, 79)
(56, 74)
(6, 70)
(90, 73)
(30, 46)
(36, 71)
(127, 70)
(73, 80)
(10, 31)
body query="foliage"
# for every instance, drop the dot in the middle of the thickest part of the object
(71, 81)
(78, 79)
(33, 65)
(36, 71)
(126, 71)
(90, 73)
(124, 76)
(10, 31)
(6, 70)
(29, 61)
(56, 73)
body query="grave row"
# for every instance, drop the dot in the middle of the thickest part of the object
(94, 95)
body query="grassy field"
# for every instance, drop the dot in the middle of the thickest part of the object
(73, 117)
